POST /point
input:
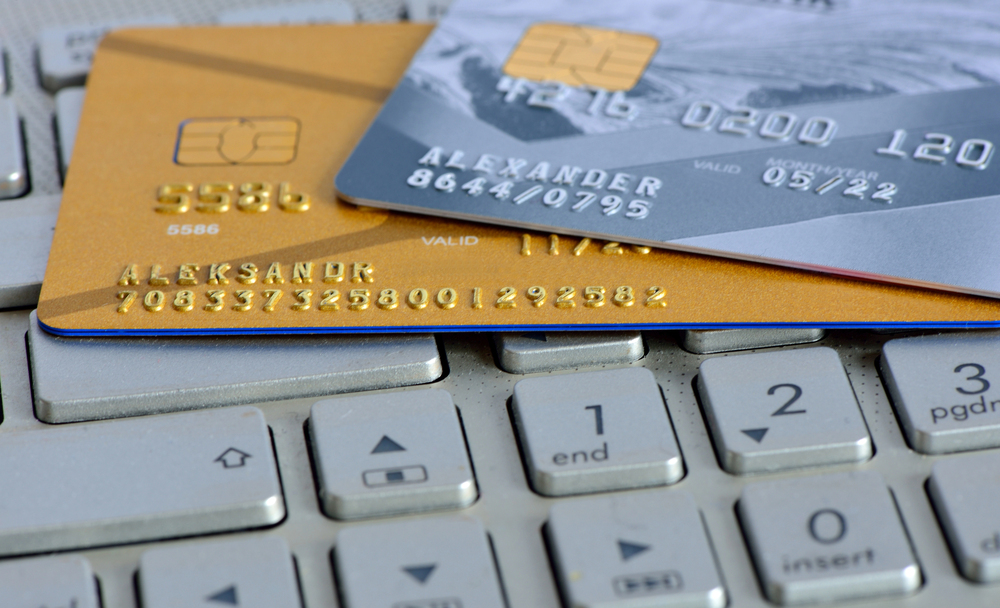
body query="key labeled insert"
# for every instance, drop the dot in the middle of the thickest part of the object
(827, 538)
(782, 410)
(596, 431)
(944, 392)
(390, 453)
(645, 549)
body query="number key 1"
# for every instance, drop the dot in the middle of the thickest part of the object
(595, 431)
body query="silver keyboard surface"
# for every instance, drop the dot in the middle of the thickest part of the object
(415, 472)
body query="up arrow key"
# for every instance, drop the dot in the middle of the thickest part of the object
(387, 445)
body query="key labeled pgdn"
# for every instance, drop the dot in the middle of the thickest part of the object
(595, 431)
(944, 390)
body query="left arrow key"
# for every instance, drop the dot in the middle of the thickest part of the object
(226, 596)
(254, 572)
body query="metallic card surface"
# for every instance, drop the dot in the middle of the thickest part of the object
(839, 135)
(200, 200)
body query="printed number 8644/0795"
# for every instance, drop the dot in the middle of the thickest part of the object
(553, 198)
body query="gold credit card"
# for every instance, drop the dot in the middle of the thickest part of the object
(200, 200)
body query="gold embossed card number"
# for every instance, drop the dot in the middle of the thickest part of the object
(200, 199)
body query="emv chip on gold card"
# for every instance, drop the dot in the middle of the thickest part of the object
(237, 141)
(578, 56)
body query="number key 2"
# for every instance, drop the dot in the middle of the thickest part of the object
(782, 410)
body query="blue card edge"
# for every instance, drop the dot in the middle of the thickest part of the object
(85, 333)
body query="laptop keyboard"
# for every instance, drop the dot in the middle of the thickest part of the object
(614, 469)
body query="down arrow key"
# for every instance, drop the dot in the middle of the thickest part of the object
(755, 434)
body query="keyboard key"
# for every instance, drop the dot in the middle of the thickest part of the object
(59, 581)
(946, 390)
(531, 352)
(248, 572)
(595, 431)
(424, 563)
(291, 14)
(26, 226)
(965, 492)
(710, 341)
(390, 453)
(634, 550)
(426, 10)
(69, 106)
(782, 410)
(827, 538)
(134, 480)
(13, 172)
(91, 378)
(66, 52)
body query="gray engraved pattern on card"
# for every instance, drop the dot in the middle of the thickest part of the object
(846, 114)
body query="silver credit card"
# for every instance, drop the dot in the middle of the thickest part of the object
(849, 136)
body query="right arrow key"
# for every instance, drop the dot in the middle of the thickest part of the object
(646, 550)
(782, 410)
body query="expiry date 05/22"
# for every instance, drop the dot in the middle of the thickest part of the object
(418, 298)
